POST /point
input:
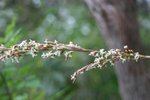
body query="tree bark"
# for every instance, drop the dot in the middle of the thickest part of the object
(118, 24)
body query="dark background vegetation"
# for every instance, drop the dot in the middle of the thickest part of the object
(49, 79)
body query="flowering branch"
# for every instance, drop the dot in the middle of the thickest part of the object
(102, 57)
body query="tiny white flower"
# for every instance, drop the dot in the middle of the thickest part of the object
(99, 66)
(102, 52)
(56, 42)
(71, 43)
(37, 45)
(33, 54)
(57, 53)
(98, 60)
(46, 41)
(23, 43)
(136, 56)
(111, 63)
(15, 59)
(96, 55)
(92, 53)
(68, 54)
(125, 47)
(123, 60)
(32, 42)
(112, 52)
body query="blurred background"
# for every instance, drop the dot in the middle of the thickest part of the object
(49, 79)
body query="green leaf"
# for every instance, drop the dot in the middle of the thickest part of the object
(10, 33)
(1, 40)
(12, 38)
(10, 27)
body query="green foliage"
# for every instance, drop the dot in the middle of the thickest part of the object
(11, 34)
(10, 27)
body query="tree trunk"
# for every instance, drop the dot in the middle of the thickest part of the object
(118, 24)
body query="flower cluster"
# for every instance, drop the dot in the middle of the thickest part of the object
(32, 48)
(53, 49)
(18, 50)
(103, 58)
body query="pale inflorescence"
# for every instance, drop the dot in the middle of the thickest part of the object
(32, 48)
(53, 49)
(103, 58)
